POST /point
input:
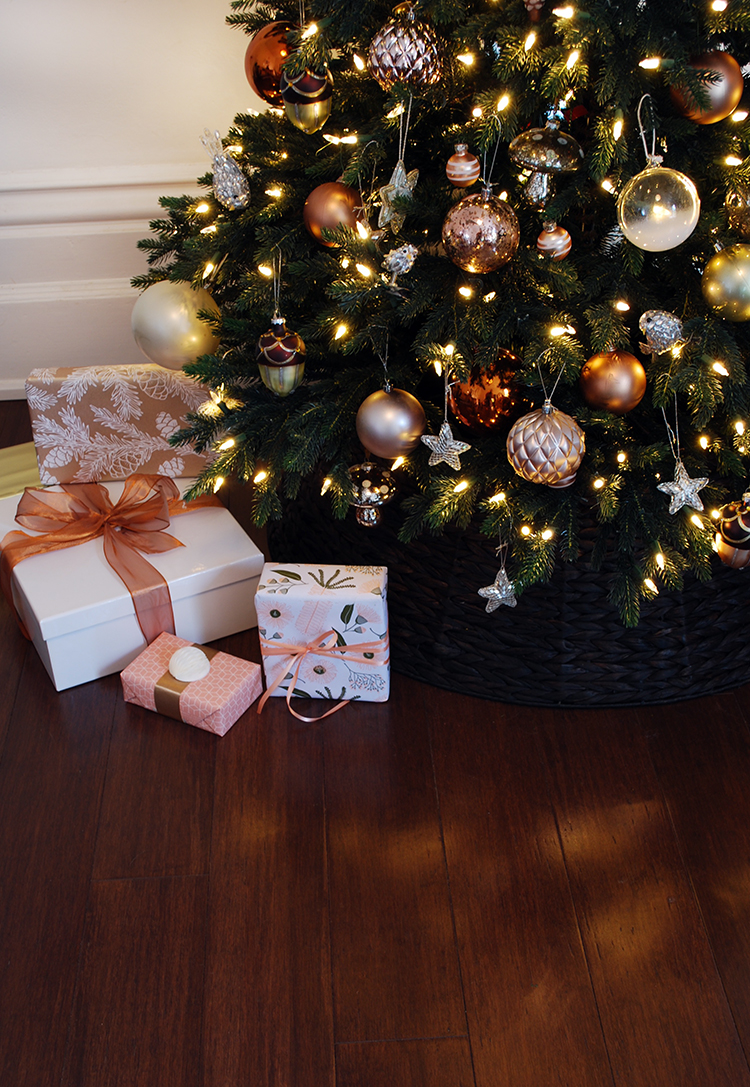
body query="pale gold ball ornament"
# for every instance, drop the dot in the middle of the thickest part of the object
(166, 325)
(726, 282)
(546, 446)
(390, 423)
(481, 232)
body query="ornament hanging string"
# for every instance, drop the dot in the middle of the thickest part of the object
(673, 435)
(652, 159)
(276, 266)
(403, 129)
(548, 399)
(487, 176)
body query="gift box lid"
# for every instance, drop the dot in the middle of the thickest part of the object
(306, 579)
(75, 588)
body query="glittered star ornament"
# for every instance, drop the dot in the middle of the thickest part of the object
(500, 592)
(683, 489)
(445, 447)
(401, 184)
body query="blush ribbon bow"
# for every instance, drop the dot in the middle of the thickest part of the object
(134, 524)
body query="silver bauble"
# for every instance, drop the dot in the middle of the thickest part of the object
(166, 325)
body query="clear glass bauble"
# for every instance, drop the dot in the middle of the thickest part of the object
(658, 209)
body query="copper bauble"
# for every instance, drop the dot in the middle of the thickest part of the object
(405, 50)
(546, 446)
(554, 241)
(462, 169)
(390, 423)
(264, 58)
(481, 232)
(329, 206)
(724, 95)
(614, 381)
(281, 358)
(726, 282)
(490, 398)
(737, 203)
(166, 325)
(308, 98)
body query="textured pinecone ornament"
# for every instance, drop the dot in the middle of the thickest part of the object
(281, 358)
(546, 446)
(230, 185)
(406, 50)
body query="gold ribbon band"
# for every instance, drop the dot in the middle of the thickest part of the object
(168, 689)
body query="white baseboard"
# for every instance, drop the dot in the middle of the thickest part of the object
(12, 388)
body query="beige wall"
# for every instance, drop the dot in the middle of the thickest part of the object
(103, 106)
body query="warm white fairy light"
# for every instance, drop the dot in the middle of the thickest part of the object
(607, 185)
(461, 487)
(497, 498)
(525, 530)
(739, 427)
(465, 292)
(599, 483)
(703, 441)
(396, 111)
(650, 63)
(503, 103)
(529, 43)
(622, 305)
(275, 193)
(218, 482)
(547, 534)
(228, 444)
(739, 115)
(265, 270)
(363, 270)
(260, 476)
(477, 111)
(621, 458)
(309, 31)
(438, 367)
(572, 59)
(715, 514)
(209, 229)
(235, 149)
(720, 368)
(566, 12)
(359, 64)
(363, 230)
(449, 349)
(208, 269)
(326, 484)
(651, 585)
(397, 463)
(341, 331)
(345, 262)
(697, 521)
(617, 128)
(466, 58)
(202, 209)
(660, 560)
(490, 296)
(557, 330)
(502, 195)
(732, 160)
(719, 5)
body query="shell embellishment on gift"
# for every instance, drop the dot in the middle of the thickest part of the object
(188, 664)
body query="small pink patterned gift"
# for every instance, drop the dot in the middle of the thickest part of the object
(226, 687)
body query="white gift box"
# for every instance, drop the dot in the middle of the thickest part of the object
(297, 603)
(80, 615)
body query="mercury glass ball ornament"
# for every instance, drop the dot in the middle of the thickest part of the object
(724, 93)
(614, 381)
(331, 205)
(166, 325)
(264, 59)
(373, 487)
(490, 398)
(546, 446)
(281, 358)
(658, 209)
(390, 423)
(462, 169)
(726, 282)
(481, 232)
(737, 203)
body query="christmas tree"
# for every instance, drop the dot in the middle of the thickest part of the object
(486, 256)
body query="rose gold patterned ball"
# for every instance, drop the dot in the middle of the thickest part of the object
(481, 232)
(554, 241)
(406, 50)
(546, 446)
(390, 423)
(462, 169)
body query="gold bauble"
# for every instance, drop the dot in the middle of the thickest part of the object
(546, 446)
(724, 95)
(331, 205)
(726, 282)
(390, 423)
(613, 380)
(481, 232)
(166, 325)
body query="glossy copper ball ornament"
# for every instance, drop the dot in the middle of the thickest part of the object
(737, 204)
(546, 446)
(481, 232)
(167, 327)
(331, 205)
(462, 169)
(614, 381)
(726, 282)
(724, 95)
(405, 50)
(491, 397)
(264, 58)
(281, 358)
(308, 98)
(390, 423)
(373, 486)
(554, 241)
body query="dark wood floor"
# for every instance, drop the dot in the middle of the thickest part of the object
(433, 892)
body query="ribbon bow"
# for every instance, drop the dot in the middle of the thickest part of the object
(133, 524)
(323, 648)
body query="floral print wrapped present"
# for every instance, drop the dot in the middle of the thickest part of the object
(98, 423)
(324, 631)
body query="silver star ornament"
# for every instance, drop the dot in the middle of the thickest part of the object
(500, 592)
(683, 489)
(401, 184)
(445, 447)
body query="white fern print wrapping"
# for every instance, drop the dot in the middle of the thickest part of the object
(95, 423)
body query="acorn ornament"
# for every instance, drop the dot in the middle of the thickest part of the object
(733, 537)
(546, 446)
(405, 50)
(281, 358)
(724, 91)
(462, 168)
(481, 232)
(308, 98)
(613, 380)
(554, 241)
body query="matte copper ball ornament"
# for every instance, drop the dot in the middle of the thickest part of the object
(724, 95)
(390, 423)
(281, 358)
(264, 59)
(331, 205)
(554, 241)
(481, 232)
(546, 446)
(726, 282)
(167, 327)
(490, 398)
(406, 50)
(462, 169)
(613, 380)
(308, 98)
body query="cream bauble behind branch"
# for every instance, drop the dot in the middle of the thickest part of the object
(166, 325)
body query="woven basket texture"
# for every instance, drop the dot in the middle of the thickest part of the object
(562, 645)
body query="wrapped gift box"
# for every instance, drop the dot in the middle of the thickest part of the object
(213, 703)
(95, 423)
(80, 615)
(298, 603)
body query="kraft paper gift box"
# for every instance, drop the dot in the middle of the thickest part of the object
(106, 422)
(297, 603)
(213, 703)
(81, 617)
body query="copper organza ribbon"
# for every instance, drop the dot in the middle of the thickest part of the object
(134, 523)
(319, 648)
